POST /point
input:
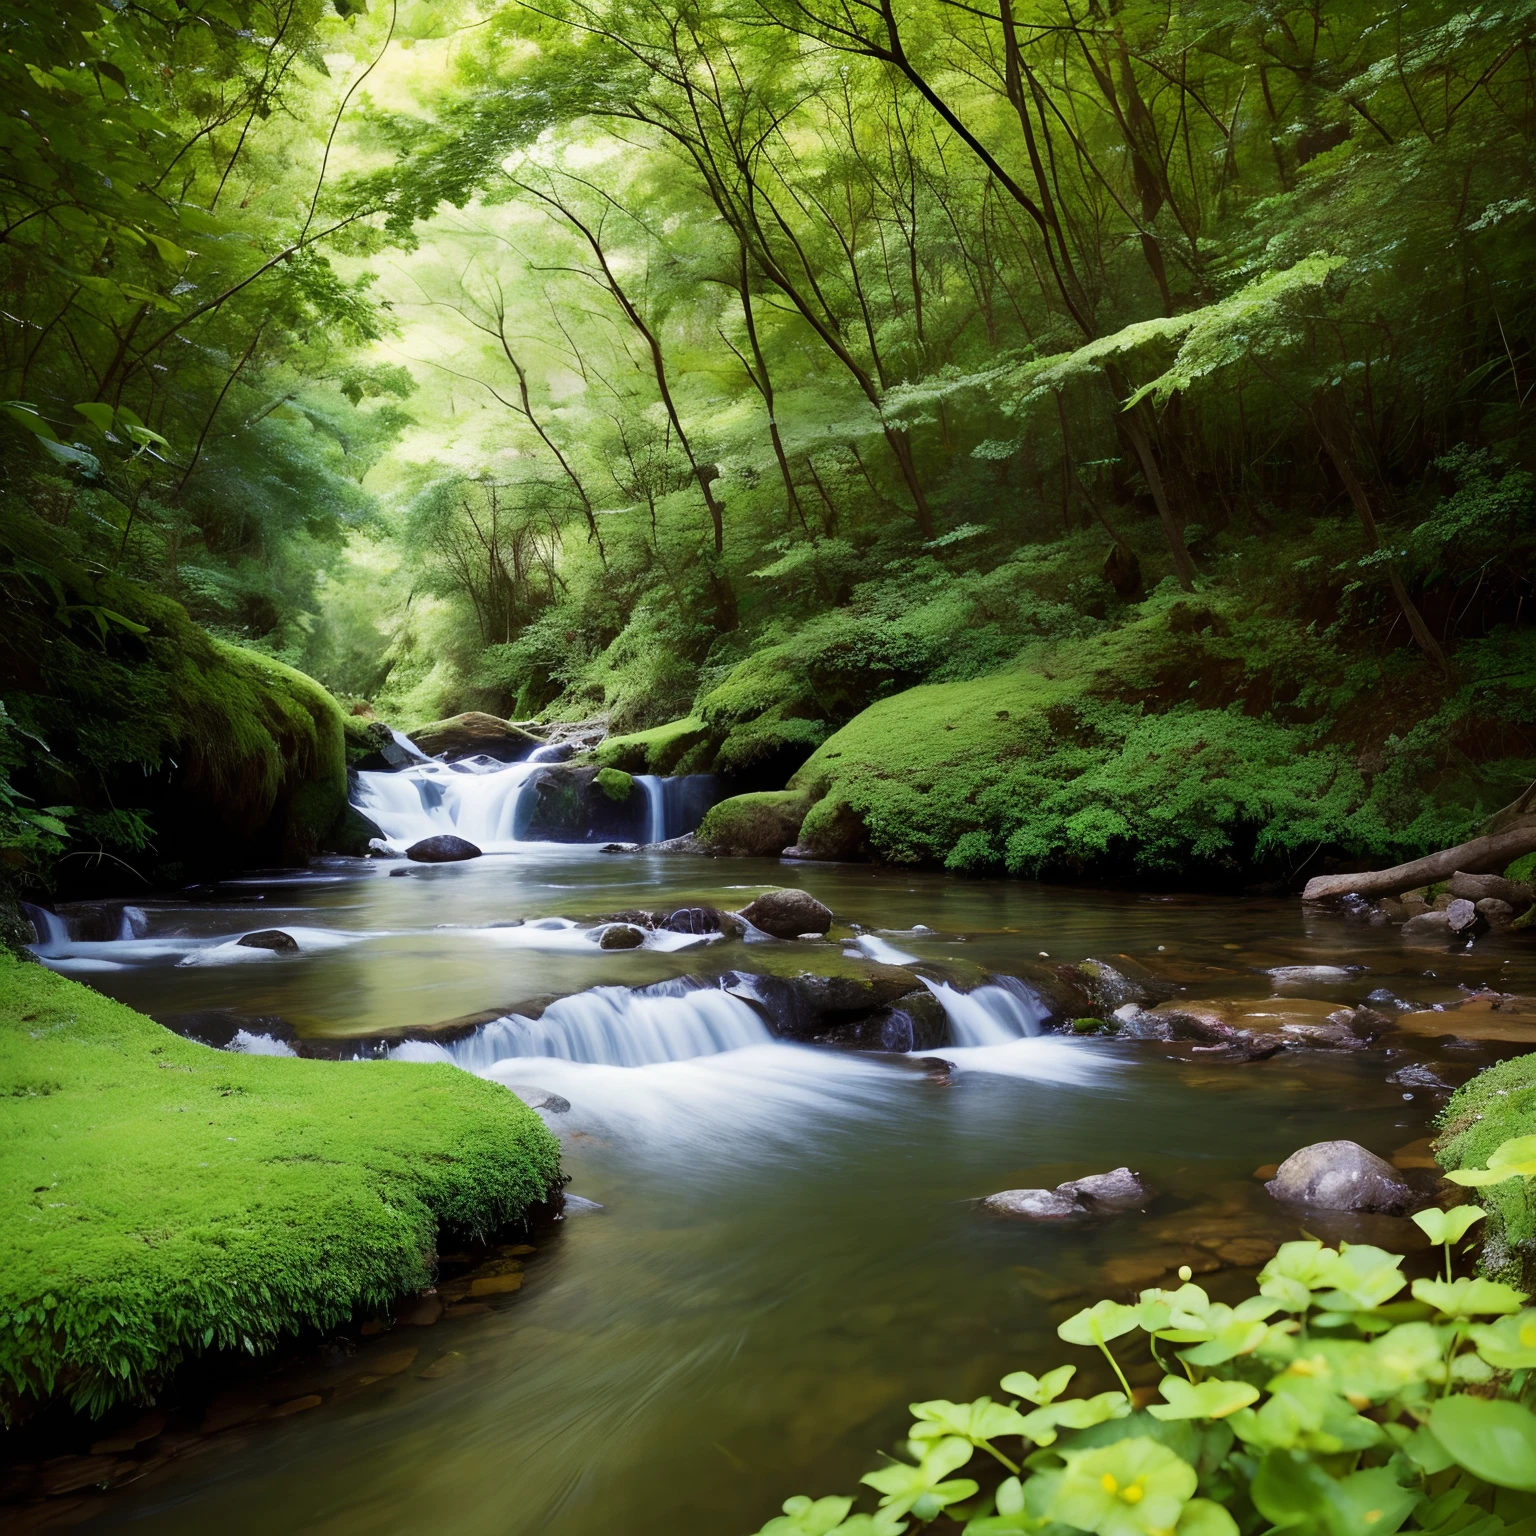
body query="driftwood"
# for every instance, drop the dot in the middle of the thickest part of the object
(1483, 855)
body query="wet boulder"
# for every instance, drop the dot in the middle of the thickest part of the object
(442, 849)
(567, 803)
(475, 734)
(621, 936)
(540, 1098)
(274, 939)
(916, 1021)
(759, 825)
(845, 1009)
(1034, 1205)
(1341, 1176)
(1117, 1190)
(702, 920)
(787, 913)
(1108, 987)
(1494, 912)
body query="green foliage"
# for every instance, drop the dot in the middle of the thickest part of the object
(147, 737)
(1324, 1403)
(1484, 1117)
(163, 1198)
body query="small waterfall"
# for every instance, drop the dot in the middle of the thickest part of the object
(675, 804)
(551, 752)
(476, 800)
(132, 923)
(655, 807)
(609, 1026)
(995, 1014)
(52, 931)
(882, 950)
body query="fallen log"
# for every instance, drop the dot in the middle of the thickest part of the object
(1483, 855)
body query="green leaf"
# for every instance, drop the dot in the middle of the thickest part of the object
(1510, 1343)
(1513, 1159)
(1098, 1324)
(926, 1488)
(98, 414)
(977, 1422)
(1134, 1487)
(1469, 1298)
(1444, 1227)
(1208, 1400)
(1204, 1517)
(1041, 1389)
(29, 417)
(1492, 1440)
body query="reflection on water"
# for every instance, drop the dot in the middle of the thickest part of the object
(789, 1249)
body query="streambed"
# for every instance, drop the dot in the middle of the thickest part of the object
(788, 1249)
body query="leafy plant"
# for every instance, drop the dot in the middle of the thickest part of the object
(1327, 1404)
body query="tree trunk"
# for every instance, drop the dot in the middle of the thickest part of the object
(1483, 855)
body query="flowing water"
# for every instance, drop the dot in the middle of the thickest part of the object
(786, 1248)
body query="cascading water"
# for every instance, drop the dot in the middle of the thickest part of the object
(476, 799)
(610, 1026)
(675, 804)
(52, 931)
(996, 1014)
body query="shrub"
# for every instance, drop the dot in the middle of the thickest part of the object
(1329, 1404)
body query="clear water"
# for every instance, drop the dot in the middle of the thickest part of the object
(788, 1251)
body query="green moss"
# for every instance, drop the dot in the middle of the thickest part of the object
(159, 1198)
(658, 750)
(614, 783)
(230, 755)
(1494, 1107)
(764, 823)
(1119, 750)
(1523, 870)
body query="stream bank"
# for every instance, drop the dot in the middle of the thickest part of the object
(789, 1245)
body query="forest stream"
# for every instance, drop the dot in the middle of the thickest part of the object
(776, 1246)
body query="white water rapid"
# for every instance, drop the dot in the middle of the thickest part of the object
(475, 799)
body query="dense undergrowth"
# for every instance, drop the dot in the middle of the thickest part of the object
(134, 746)
(161, 1198)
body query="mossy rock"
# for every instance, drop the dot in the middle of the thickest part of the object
(762, 824)
(1494, 1107)
(159, 1198)
(661, 749)
(832, 829)
(475, 734)
(614, 783)
(576, 803)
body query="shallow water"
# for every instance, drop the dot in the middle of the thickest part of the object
(788, 1250)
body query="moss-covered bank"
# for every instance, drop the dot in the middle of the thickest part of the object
(159, 1198)
(1495, 1107)
(144, 740)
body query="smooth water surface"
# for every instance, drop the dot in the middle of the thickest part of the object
(788, 1249)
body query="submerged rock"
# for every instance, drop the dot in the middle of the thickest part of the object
(1310, 975)
(275, 939)
(442, 849)
(540, 1098)
(1341, 1176)
(787, 913)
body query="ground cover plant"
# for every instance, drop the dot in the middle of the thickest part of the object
(160, 1198)
(1339, 1400)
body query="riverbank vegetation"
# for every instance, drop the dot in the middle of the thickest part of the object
(162, 1198)
(1339, 1398)
(1157, 380)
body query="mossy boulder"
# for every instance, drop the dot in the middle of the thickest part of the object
(762, 824)
(159, 1198)
(680, 746)
(1494, 1107)
(178, 754)
(577, 803)
(832, 829)
(475, 734)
